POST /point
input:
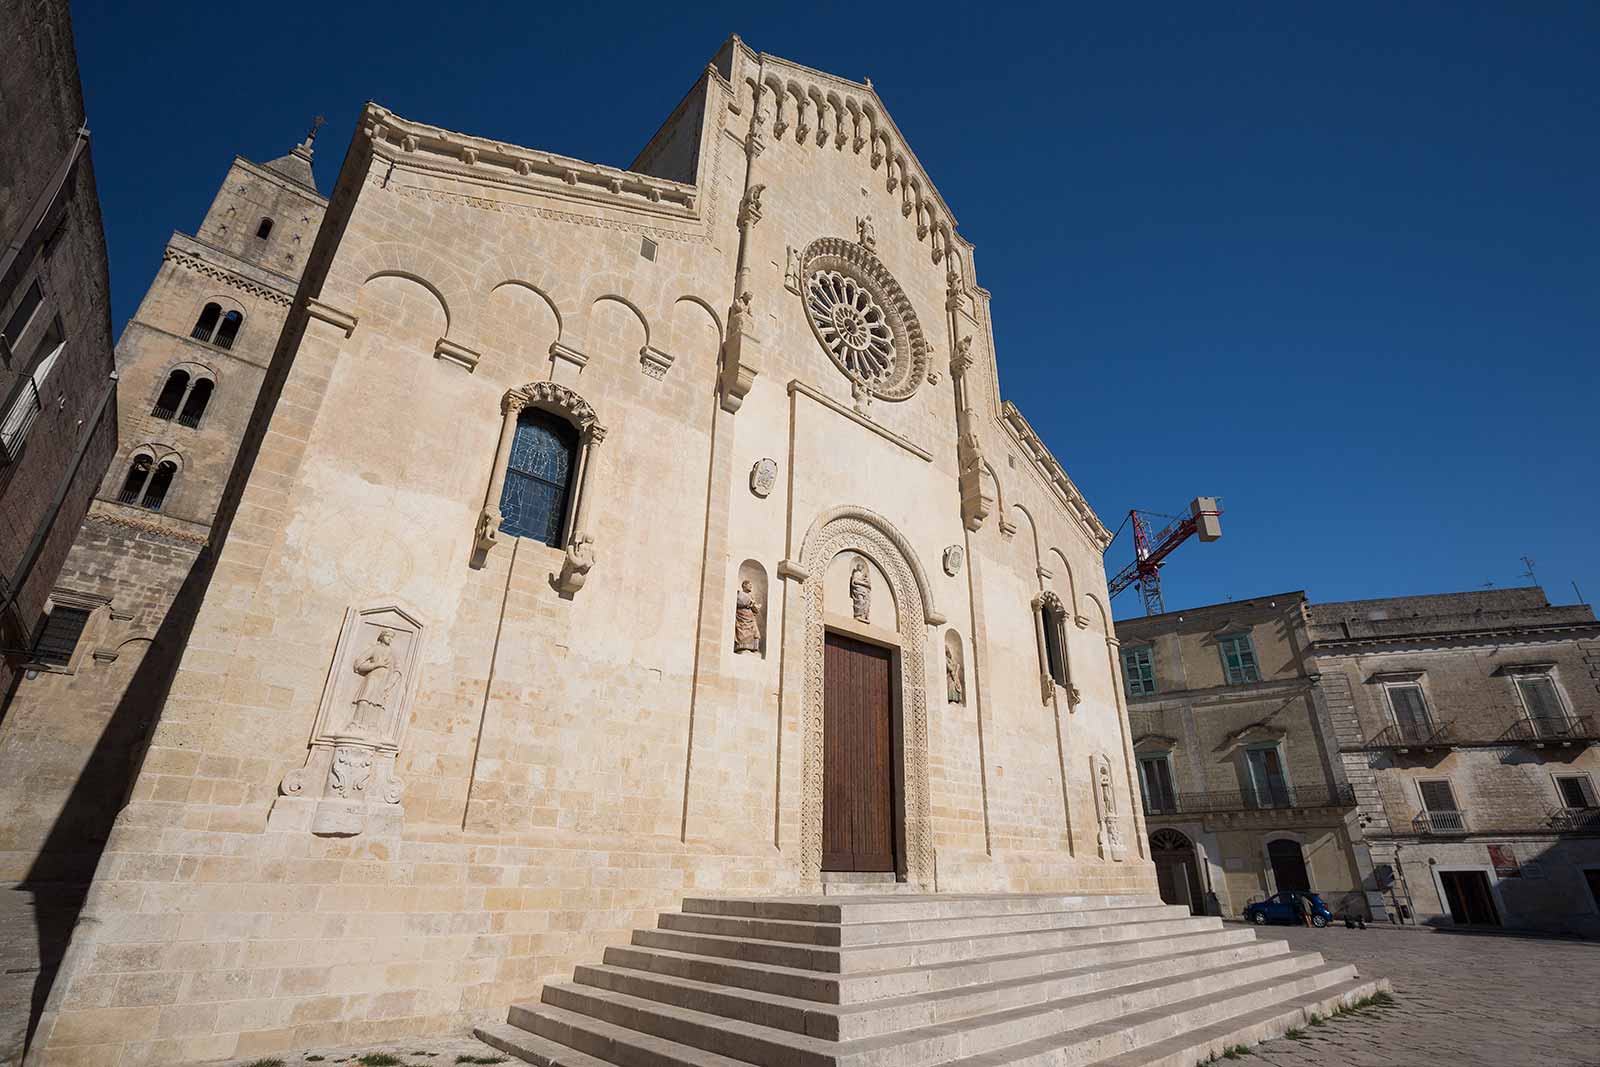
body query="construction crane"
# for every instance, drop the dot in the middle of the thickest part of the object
(1151, 551)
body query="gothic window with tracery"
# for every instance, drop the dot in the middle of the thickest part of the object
(539, 472)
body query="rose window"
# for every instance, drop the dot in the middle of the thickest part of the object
(851, 325)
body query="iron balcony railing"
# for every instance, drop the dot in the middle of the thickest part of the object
(1441, 822)
(1318, 796)
(1576, 820)
(1539, 730)
(1413, 735)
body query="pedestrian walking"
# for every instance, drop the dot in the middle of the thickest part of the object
(1303, 902)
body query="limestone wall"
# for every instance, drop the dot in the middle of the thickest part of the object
(571, 759)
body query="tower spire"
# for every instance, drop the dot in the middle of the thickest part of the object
(296, 166)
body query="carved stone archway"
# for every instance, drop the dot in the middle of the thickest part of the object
(852, 529)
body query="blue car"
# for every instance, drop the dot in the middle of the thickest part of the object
(1285, 908)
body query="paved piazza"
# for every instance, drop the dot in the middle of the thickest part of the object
(1460, 999)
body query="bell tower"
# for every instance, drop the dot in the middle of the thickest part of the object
(191, 363)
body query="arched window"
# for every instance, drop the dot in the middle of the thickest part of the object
(539, 474)
(133, 484)
(228, 330)
(206, 324)
(195, 406)
(155, 492)
(1050, 617)
(265, 229)
(171, 393)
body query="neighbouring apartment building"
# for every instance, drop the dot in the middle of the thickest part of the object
(57, 384)
(1243, 790)
(1469, 726)
(577, 505)
(191, 363)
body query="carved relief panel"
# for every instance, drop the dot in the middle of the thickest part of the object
(348, 783)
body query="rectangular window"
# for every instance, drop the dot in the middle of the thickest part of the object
(1267, 780)
(1239, 658)
(62, 629)
(1155, 782)
(1576, 791)
(17, 325)
(1408, 706)
(1437, 796)
(1543, 704)
(1055, 647)
(1139, 670)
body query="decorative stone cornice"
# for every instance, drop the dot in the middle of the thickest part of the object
(416, 144)
(1048, 466)
(454, 352)
(558, 398)
(190, 261)
(337, 317)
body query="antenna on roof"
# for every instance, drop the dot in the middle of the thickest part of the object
(1528, 574)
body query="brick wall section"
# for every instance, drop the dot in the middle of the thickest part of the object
(41, 110)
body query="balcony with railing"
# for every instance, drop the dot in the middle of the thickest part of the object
(1575, 820)
(1402, 737)
(1441, 823)
(1541, 731)
(1277, 799)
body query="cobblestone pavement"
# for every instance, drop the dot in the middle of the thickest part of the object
(418, 1052)
(1461, 1000)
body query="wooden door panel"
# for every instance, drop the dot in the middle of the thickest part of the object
(858, 765)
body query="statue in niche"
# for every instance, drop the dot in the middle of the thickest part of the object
(860, 590)
(379, 680)
(746, 621)
(952, 678)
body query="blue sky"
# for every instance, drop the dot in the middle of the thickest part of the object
(1338, 265)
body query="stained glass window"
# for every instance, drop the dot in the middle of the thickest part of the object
(539, 477)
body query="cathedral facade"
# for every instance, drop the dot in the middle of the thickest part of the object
(601, 536)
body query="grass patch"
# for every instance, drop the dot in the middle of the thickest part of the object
(467, 1057)
(1236, 1052)
(380, 1059)
(315, 1059)
(1317, 1020)
(1294, 1033)
(265, 1063)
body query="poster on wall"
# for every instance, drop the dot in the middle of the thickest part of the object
(1505, 861)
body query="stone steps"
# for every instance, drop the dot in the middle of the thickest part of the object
(907, 981)
(867, 981)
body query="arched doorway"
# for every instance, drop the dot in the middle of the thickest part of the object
(1288, 865)
(1177, 870)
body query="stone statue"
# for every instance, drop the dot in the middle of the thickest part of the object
(746, 620)
(952, 678)
(379, 679)
(866, 231)
(860, 590)
(791, 272)
(575, 567)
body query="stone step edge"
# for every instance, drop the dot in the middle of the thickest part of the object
(757, 999)
(1239, 935)
(1252, 1028)
(773, 907)
(799, 925)
(531, 1048)
(789, 1045)
(1028, 1050)
(840, 951)
(658, 1049)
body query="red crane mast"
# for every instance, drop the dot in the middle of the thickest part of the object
(1151, 551)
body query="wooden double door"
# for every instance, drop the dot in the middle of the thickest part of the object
(858, 763)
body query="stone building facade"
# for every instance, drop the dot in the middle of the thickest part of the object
(57, 385)
(580, 508)
(190, 362)
(1467, 724)
(1243, 789)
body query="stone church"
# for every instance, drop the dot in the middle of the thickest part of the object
(602, 538)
